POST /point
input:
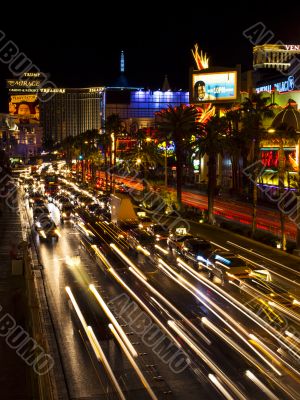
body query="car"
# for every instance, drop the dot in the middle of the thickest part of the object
(175, 239)
(34, 197)
(144, 219)
(83, 201)
(94, 209)
(196, 252)
(66, 212)
(39, 211)
(159, 231)
(136, 237)
(47, 229)
(226, 265)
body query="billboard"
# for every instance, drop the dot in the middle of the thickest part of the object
(214, 86)
(26, 108)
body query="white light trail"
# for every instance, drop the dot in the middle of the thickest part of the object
(173, 308)
(207, 360)
(113, 320)
(219, 386)
(164, 251)
(127, 260)
(262, 387)
(95, 344)
(133, 363)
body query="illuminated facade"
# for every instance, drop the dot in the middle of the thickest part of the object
(23, 140)
(61, 112)
(279, 56)
(71, 113)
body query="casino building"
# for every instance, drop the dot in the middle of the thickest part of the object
(63, 112)
(276, 72)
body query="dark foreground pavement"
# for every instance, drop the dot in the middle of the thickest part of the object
(14, 373)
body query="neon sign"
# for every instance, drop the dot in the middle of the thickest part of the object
(283, 86)
(295, 47)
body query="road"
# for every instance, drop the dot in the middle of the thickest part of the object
(66, 263)
(231, 349)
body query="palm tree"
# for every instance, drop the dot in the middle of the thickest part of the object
(146, 156)
(211, 141)
(234, 146)
(104, 143)
(283, 133)
(113, 128)
(254, 111)
(178, 124)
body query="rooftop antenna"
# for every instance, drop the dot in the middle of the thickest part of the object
(122, 62)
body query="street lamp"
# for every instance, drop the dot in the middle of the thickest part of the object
(281, 185)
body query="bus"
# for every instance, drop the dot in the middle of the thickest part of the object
(51, 185)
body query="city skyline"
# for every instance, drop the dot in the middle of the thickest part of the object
(88, 54)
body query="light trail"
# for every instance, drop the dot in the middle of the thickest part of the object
(207, 360)
(143, 306)
(220, 387)
(133, 363)
(196, 293)
(95, 344)
(271, 261)
(127, 260)
(244, 310)
(261, 386)
(164, 251)
(101, 357)
(113, 320)
(172, 307)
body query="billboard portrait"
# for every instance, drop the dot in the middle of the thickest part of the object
(214, 86)
(26, 108)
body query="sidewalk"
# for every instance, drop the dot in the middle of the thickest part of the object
(14, 373)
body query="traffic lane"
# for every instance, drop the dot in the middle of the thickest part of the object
(223, 358)
(137, 289)
(78, 282)
(266, 315)
(78, 275)
(83, 378)
(269, 256)
(146, 268)
(142, 256)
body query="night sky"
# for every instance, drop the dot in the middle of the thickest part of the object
(84, 49)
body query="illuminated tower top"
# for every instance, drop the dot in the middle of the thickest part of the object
(122, 62)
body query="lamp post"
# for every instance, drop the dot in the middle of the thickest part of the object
(281, 176)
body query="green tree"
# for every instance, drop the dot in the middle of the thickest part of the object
(178, 124)
(254, 111)
(282, 134)
(145, 156)
(113, 128)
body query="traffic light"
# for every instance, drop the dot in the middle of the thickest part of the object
(80, 156)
